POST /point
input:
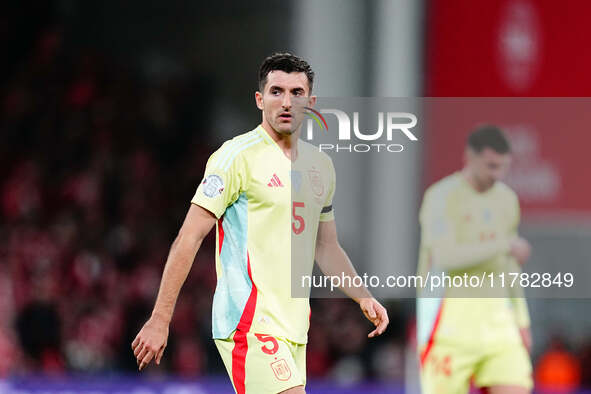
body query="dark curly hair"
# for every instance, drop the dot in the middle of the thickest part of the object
(284, 62)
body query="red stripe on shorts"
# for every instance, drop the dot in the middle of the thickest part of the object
(240, 340)
(432, 336)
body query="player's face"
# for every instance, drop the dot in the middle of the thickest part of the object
(488, 167)
(283, 100)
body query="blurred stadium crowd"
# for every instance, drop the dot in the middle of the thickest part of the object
(92, 191)
(97, 168)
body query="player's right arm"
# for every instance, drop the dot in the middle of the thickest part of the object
(151, 341)
(221, 185)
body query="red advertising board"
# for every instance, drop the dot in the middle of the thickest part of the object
(514, 48)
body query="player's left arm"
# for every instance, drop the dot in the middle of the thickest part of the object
(333, 261)
(519, 304)
(518, 300)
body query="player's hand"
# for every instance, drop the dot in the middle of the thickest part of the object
(526, 338)
(520, 249)
(375, 313)
(150, 342)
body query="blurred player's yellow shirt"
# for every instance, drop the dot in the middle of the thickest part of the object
(461, 223)
(265, 204)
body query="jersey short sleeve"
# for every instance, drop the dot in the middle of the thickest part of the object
(437, 217)
(327, 212)
(222, 182)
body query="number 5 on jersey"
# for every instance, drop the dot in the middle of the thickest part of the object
(298, 225)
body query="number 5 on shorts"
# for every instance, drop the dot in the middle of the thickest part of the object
(265, 339)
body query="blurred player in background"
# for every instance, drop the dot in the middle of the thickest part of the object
(270, 195)
(469, 225)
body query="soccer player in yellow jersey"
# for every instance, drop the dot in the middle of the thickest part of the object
(270, 196)
(469, 225)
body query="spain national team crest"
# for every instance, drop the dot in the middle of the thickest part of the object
(316, 182)
(281, 369)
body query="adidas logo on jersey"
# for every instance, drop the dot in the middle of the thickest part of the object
(275, 182)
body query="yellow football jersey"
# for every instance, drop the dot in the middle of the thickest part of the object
(471, 232)
(265, 204)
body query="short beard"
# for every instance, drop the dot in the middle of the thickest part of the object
(288, 132)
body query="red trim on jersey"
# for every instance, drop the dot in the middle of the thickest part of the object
(432, 336)
(240, 340)
(220, 233)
